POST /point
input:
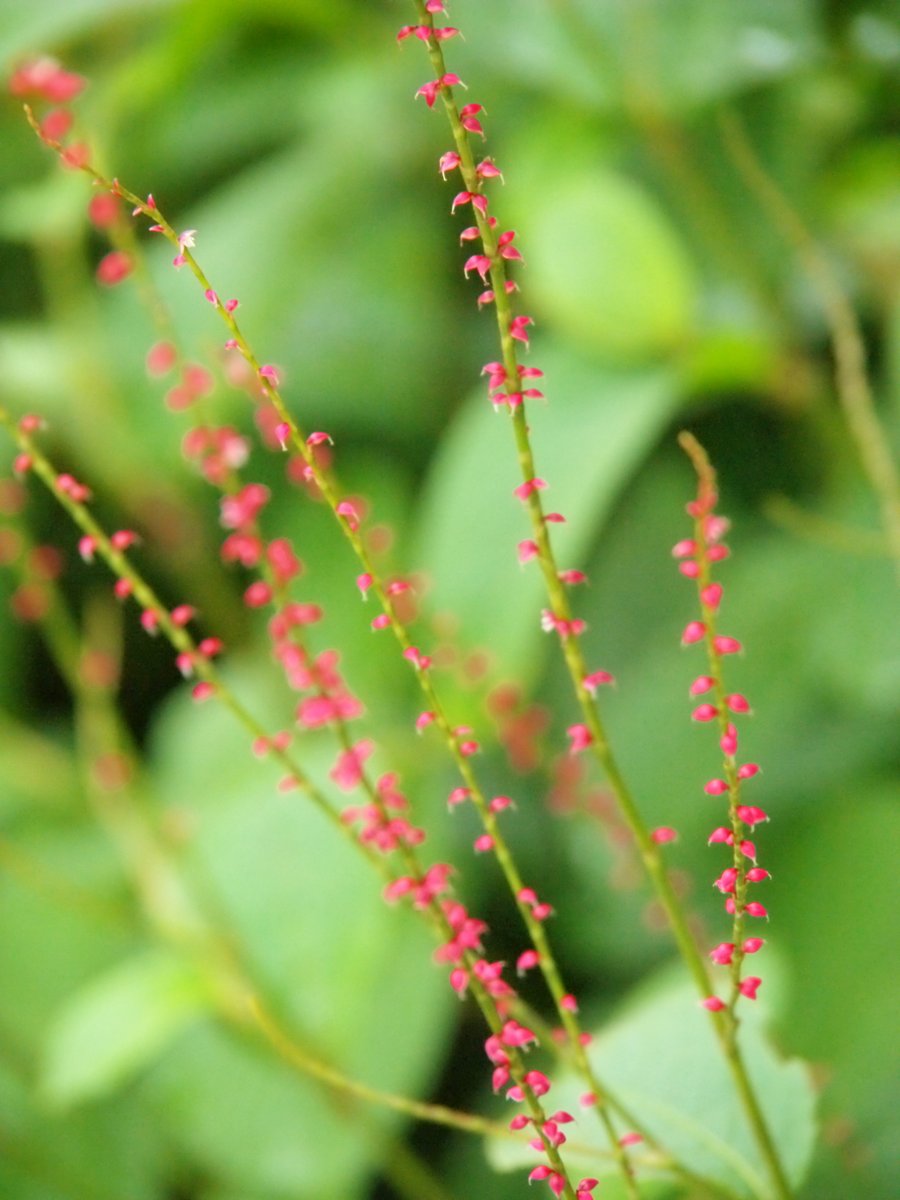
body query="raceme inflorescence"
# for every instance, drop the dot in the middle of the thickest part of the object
(381, 821)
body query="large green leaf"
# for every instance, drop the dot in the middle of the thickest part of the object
(604, 266)
(81, 1154)
(119, 1023)
(661, 1059)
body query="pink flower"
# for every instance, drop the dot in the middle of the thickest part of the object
(701, 684)
(477, 262)
(526, 960)
(506, 248)
(161, 358)
(517, 328)
(347, 510)
(487, 170)
(347, 771)
(555, 1181)
(711, 596)
(751, 815)
(704, 712)
(114, 267)
(727, 880)
(476, 199)
(469, 120)
(536, 1080)
(716, 787)
(749, 986)
(580, 736)
(663, 834)
(150, 621)
(258, 594)
(448, 162)
(727, 645)
(524, 490)
(45, 77)
(596, 679)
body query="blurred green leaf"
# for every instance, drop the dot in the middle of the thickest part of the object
(113, 1028)
(604, 266)
(605, 51)
(82, 1154)
(45, 24)
(837, 869)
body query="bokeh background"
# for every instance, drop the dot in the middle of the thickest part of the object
(665, 296)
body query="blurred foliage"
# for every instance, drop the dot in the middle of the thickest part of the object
(284, 131)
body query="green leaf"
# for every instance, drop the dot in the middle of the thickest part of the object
(25, 28)
(605, 267)
(660, 1057)
(119, 1023)
(80, 1154)
(588, 440)
(675, 56)
(843, 995)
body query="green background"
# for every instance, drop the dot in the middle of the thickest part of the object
(286, 134)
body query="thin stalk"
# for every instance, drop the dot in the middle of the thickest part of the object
(174, 915)
(852, 383)
(509, 333)
(184, 644)
(175, 634)
(294, 437)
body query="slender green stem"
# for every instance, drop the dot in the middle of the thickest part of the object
(177, 636)
(854, 390)
(184, 644)
(297, 440)
(562, 616)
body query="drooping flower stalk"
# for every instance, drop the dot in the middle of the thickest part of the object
(458, 740)
(111, 769)
(426, 888)
(190, 654)
(505, 379)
